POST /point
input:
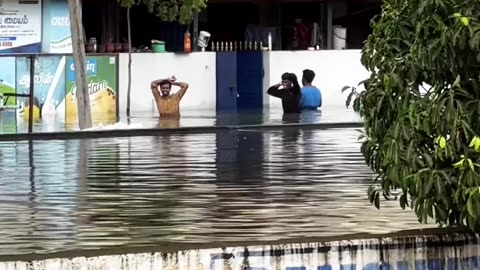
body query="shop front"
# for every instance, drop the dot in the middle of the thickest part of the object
(54, 91)
(41, 29)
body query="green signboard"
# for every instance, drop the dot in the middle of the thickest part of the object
(102, 87)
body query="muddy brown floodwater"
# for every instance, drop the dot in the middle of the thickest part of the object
(187, 188)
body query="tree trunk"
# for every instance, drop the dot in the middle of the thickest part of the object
(129, 87)
(79, 60)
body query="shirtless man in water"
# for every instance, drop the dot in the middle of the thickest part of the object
(168, 105)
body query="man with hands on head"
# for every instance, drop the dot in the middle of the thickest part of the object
(168, 104)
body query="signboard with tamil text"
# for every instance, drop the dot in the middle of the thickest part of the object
(20, 26)
(49, 82)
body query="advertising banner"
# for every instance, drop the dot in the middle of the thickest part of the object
(56, 37)
(8, 118)
(20, 26)
(49, 82)
(102, 87)
(7, 77)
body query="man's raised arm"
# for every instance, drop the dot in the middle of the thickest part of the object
(155, 83)
(183, 88)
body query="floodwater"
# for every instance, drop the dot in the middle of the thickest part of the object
(10, 122)
(187, 188)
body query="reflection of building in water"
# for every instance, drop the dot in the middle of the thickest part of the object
(170, 186)
(239, 157)
(41, 200)
(239, 180)
(196, 173)
(100, 197)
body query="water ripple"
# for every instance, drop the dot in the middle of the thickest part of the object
(192, 188)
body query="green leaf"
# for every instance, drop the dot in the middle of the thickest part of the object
(362, 82)
(429, 184)
(377, 200)
(459, 164)
(470, 164)
(421, 109)
(349, 99)
(473, 142)
(441, 213)
(439, 186)
(456, 83)
(470, 207)
(429, 160)
(442, 142)
(345, 88)
(445, 176)
(403, 201)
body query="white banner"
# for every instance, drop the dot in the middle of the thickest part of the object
(20, 26)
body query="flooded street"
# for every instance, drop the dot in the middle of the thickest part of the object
(187, 188)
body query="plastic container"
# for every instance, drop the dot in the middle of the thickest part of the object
(203, 39)
(339, 37)
(158, 46)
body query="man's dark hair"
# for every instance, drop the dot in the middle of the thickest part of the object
(293, 78)
(308, 75)
(165, 82)
(286, 76)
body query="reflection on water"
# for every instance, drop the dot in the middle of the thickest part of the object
(169, 122)
(197, 188)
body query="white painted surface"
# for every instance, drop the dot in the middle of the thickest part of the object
(196, 69)
(333, 69)
(348, 254)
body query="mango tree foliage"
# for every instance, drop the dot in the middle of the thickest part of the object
(421, 108)
(170, 10)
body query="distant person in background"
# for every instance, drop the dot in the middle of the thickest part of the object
(311, 95)
(302, 35)
(289, 91)
(168, 104)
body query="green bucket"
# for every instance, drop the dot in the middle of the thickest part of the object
(158, 46)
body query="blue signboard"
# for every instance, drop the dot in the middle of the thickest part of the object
(56, 27)
(49, 81)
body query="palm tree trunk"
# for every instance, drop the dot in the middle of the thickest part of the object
(79, 60)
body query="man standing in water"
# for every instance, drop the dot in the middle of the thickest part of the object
(288, 90)
(311, 96)
(168, 105)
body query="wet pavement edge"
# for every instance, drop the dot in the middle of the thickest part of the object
(171, 247)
